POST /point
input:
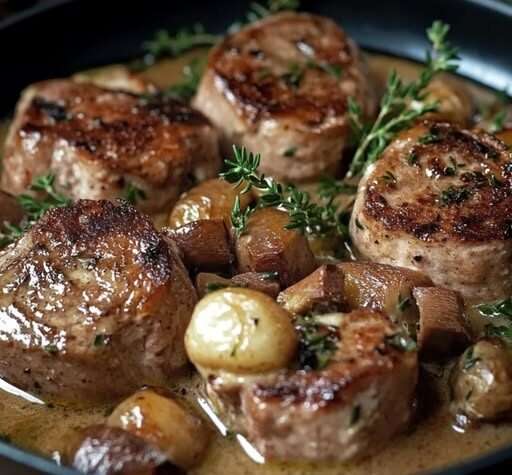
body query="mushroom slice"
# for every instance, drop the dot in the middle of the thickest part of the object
(385, 288)
(204, 244)
(323, 289)
(442, 329)
(163, 423)
(268, 246)
(105, 450)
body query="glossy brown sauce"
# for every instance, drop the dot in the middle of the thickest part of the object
(431, 443)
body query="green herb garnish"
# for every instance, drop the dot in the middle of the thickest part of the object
(317, 343)
(34, 207)
(329, 188)
(497, 123)
(453, 195)
(498, 309)
(305, 216)
(101, 340)
(132, 194)
(165, 44)
(290, 152)
(402, 104)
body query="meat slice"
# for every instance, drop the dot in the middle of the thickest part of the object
(11, 213)
(482, 383)
(94, 303)
(280, 86)
(99, 143)
(442, 329)
(351, 408)
(438, 201)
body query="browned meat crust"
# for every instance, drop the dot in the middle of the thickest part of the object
(280, 87)
(94, 304)
(97, 140)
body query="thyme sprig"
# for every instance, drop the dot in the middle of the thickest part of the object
(258, 11)
(501, 310)
(305, 216)
(402, 103)
(164, 44)
(317, 343)
(35, 207)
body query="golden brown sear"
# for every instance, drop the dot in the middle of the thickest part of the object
(94, 303)
(439, 200)
(99, 142)
(279, 86)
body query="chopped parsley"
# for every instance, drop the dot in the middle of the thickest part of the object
(34, 207)
(290, 152)
(132, 194)
(317, 343)
(453, 195)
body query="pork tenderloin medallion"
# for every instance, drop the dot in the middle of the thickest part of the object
(94, 303)
(438, 201)
(350, 408)
(98, 142)
(280, 86)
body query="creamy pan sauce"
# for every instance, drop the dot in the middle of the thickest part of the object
(431, 443)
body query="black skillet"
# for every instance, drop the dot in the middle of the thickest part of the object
(65, 36)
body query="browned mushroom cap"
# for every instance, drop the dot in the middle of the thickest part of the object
(211, 199)
(164, 423)
(481, 382)
(267, 246)
(265, 282)
(442, 329)
(106, 450)
(204, 244)
(322, 290)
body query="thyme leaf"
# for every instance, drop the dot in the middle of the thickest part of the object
(402, 103)
(317, 343)
(305, 216)
(35, 207)
(164, 44)
(132, 194)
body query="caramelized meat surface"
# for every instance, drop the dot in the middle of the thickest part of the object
(94, 303)
(280, 87)
(99, 142)
(348, 409)
(439, 200)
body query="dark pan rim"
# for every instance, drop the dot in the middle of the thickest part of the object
(44, 465)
